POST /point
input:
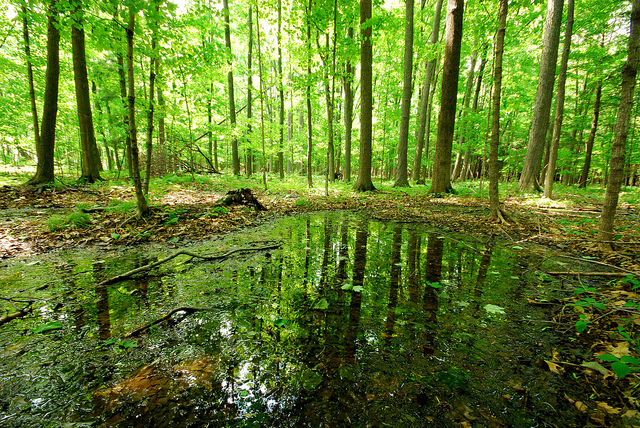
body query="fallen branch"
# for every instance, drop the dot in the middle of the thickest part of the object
(616, 274)
(150, 266)
(21, 313)
(629, 272)
(186, 310)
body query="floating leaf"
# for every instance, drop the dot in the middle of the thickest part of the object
(358, 288)
(517, 247)
(280, 322)
(322, 304)
(52, 325)
(347, 287)
(494, 309)
(127, 344)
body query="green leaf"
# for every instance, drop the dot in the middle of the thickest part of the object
(620, 369)
(280, 322)
(630, 360)
(127, 344)
(581, 326)
(322, 304)
(494, 309)
(517, 247)
(115, 236)
(52, 325)
(595, 366)
(608, 357)
(358, 288)
(347, 287)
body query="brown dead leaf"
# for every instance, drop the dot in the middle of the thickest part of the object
(554, 368)
(607, 408)
(620, 350)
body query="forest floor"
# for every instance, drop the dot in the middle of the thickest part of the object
(186, 210)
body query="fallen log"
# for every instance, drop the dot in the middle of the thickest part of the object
(145, 268)
(186, 310)
(241, 197)
(615, 274)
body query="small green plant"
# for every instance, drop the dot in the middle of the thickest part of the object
(78, 219)
(621, 366)
(56, 222)
(301, 203)
(116, 205)
(216, 211)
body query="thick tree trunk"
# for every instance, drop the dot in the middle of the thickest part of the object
(441, 182)
(91, 165)
(143, 208)
(32, 92)
(616, 164)
(494, 172)
(592, 137)
(426, 97)
(348, 112)
(557, 124)
(45, 150)
(544, 95)
(364, 183)
(407, 89)
(232, 102)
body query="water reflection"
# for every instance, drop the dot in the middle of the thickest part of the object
(351, 322)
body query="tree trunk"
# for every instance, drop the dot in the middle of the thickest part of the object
(557, 124)
(249, 154)
(616, 164)
(364, 183)
(152, 87)
(441, 182)
(262, 96)
(348, 112)
(462, 127)
(45, 150)
(544, 95)
(232, 102)
(407, 89)
(592, 137)
(281, 95)
(32, 93)
(494, 173)
(308, 95)
(426, 95)
(143, 208)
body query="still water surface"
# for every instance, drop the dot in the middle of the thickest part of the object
(351, 322)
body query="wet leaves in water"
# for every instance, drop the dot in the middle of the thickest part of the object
(52, 325)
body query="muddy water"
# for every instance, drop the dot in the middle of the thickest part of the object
(350, 322)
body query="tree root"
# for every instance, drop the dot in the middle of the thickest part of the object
(186, 310)
(150, 266)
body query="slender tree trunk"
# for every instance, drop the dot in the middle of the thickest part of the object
(150, 111)
(348, 112)
(162, 136)
(123, 95)
(249, 154)
(616, 163)
(143, 208)
(426, 95)
(462, 128)
(281, 94)
(494, 173)
(544, 95)
(262, 96)
(592, 137)
(309, 124)
(441, 182)
(32, 92)
(45, 150)
(101, 128)
(364, 183)
(557, 124)
(232, 102)
(407, 89)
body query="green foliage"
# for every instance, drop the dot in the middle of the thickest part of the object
(116, 205)
(76, 219)
(621, 366)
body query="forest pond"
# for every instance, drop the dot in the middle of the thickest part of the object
(350, 322)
